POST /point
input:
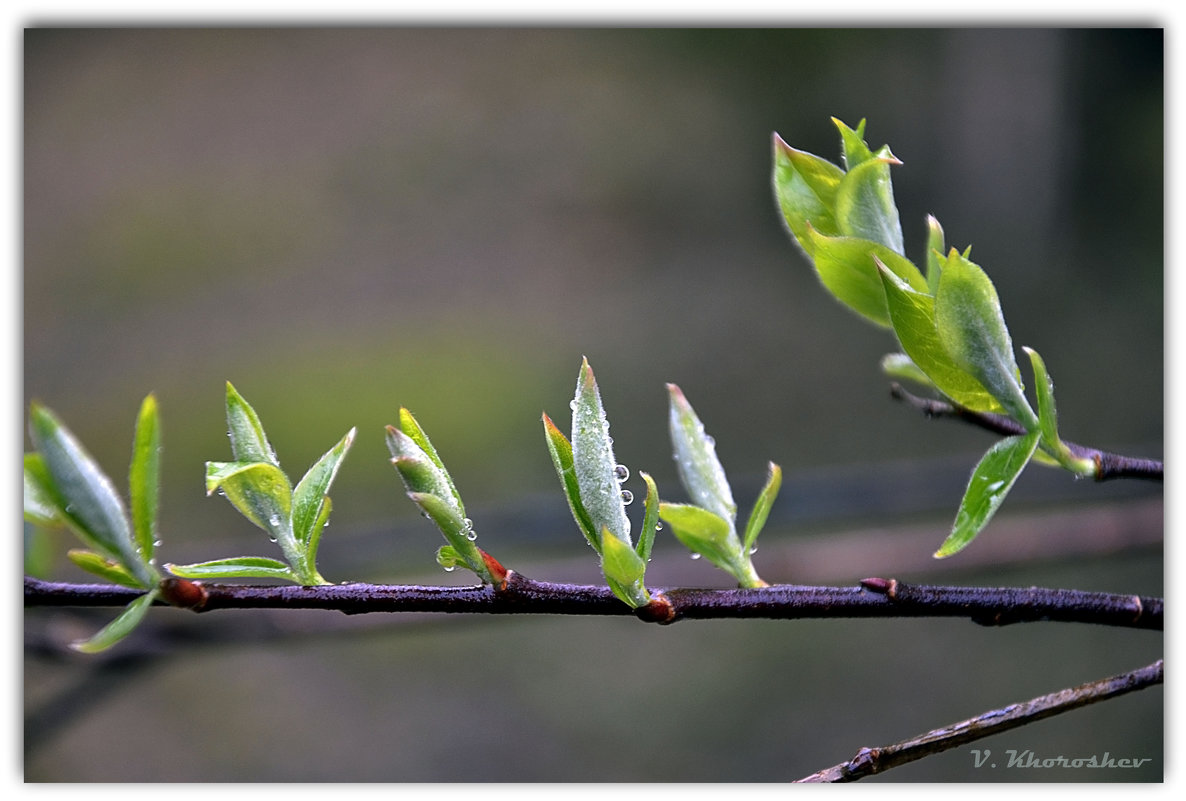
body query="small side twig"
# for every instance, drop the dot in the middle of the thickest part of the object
(869, 761)
(1108, 465)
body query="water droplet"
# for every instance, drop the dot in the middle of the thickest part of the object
(753, 550)
(274, 520)
(695, 555)
(572, 404)
(709, 441)
(995, 486)
(621, 473)
(658, 525)
(470, 534)
(627, 497)
(450, 568)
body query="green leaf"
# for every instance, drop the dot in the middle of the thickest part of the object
(702, 532)
(408, 424)
(865, 205)
(144, 477)
(650, 518)
(449, 558)
(913, 316)
(847, 267)
(41, 504)
(991, 481)
(421, 472)
(854, 151)
(308, 499)
(248, 441)
(236, 567)
(314, 541)
(261, 492)
(901, 366)
(593, 460)
(805, 188)
(972, 330)
(456, 530)
(1048, 420)
(103, 567)
(696, 461)
(561, 453)
(935, 250)
(623, 569)
(119, 628)
(86, 498)
(757, 517)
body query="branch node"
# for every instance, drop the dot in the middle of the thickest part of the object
(878, 585)
(659, 610)
(184, 593)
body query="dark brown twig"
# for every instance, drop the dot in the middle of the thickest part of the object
(869, 761)
(1107, 465)
(875, 597)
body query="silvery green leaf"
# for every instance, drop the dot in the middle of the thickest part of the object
(310, 494)
(650, 518)
(593, 460)
(408, 424)
(991, 481)
(847, 267)
(696, 459)
(757, 517)
(935, 250)
(260, 491)
(420, 472)
(1048, 420)
(865, 206)
(236, 567)
(103, 567)
(805, 188)
(561, 452)
(972, 330)
(119, 628)
(86, 498)
(144, 477)
(41, 505)
(246, 432)
(456, 530)
(623, 569)
(702, 532)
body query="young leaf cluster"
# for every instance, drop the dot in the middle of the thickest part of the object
(431, 488)
(947, 321)
(591, 479)
(253, 482)
(64, 485)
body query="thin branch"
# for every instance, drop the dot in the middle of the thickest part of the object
(875, 597)
(869, 761)
(1107, 465)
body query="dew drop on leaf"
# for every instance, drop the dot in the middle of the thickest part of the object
(695, 556)
(621, 473)
(627, 497)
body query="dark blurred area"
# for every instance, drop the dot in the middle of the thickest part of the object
(345, 221)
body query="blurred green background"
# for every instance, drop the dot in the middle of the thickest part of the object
(343, 221)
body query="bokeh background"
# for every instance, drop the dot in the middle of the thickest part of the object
(343, 221)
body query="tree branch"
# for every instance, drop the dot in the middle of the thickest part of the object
(875, 597)
(869, 761)
(1107, 465)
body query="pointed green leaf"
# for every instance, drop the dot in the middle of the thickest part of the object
(702, 532)
(913, 316)
(805, 188)
(41, 504)
(456, 530)
(991, 481)
(972, 330)
(935, 250)
(144, 477)
(260, 491)
(696, 461)
(901, 366)
(757, 517)
(593, 459)
(88, 501)
(561, 452)
(650, 518)
(1048, 420)
(236, 567)
(623, 569)
(865, 205)
(420, 471)
(103, 567)
(308, 499)
(854, 151)
(119, 628)
(409, 426)
(847, 267)
(448, 558)
(248, 441)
